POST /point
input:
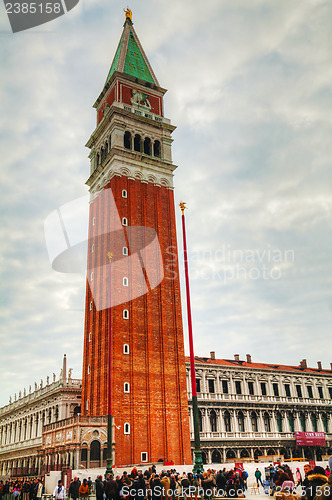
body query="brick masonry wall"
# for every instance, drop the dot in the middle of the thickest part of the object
(156, 407)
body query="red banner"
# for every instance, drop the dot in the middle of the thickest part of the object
(310, 438)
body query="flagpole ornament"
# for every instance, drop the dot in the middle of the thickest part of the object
(182, 205)
(129, 14)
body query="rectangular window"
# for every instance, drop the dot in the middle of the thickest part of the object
(275, 389)
(287, 390)
(263, 388)
(299, 391)
(225, 386)
(198, 385)
(211, 385)
(309, 389)
(144, 456)
(251, 388)
(124, 251)
(320, 392)
(90, 306)
(238, 388)
(93, 221)
(89, 336)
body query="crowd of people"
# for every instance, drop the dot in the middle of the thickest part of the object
(279, 481)
(21, 489)
(168, 485)
(316, 484)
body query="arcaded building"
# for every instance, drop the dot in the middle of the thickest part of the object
(249, 410)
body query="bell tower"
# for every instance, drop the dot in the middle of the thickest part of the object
(133, 340)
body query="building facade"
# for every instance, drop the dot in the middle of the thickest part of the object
(24, 419)
(250, 410)
(133, 364)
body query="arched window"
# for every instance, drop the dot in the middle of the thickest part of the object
(291, 421)
(124, 193)
(91, 306)
(227, 421)
(126, 428)
(126, 387)
(127, 140)
(147, 146)
(267, 423)
(125, 348)
(279, 421)
(77, 410)
(137, 143)
(56, 413)
(88, 369)
(91, 276)
(325, 424)
(92, 248)
(98, 159)
(240, 419)
(254, 422)
(302, 420)
(156, 149)
(125, 281)
(200, 421)
(125, 314)
(314, 422)
(103, 154)
(213, 421)
(216, 457)
(95, 451)
(87, 404)
(124, 221)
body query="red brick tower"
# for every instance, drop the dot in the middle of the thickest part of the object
(132, 216)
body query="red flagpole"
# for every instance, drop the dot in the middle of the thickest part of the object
(109, 459)
(198, 462)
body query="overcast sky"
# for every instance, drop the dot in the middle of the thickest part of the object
(249, 89)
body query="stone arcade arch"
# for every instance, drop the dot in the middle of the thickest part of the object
(216, 457)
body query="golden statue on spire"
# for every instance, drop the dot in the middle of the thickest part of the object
(129, 14)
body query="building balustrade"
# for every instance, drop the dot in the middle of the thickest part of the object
(259, 398)
(75, 420)
(21, 445)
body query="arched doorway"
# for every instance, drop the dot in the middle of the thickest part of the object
(95, 454)
(244, 453)
(204, 457)
(216, 457)
(257, 453)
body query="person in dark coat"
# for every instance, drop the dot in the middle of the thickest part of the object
(316, 478)
(74, 489)
(156, 487)
(111, 488)
(99, 488)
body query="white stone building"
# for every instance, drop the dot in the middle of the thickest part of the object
(22, 421)
(251, 409)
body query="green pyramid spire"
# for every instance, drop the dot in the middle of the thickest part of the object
(130, 57)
